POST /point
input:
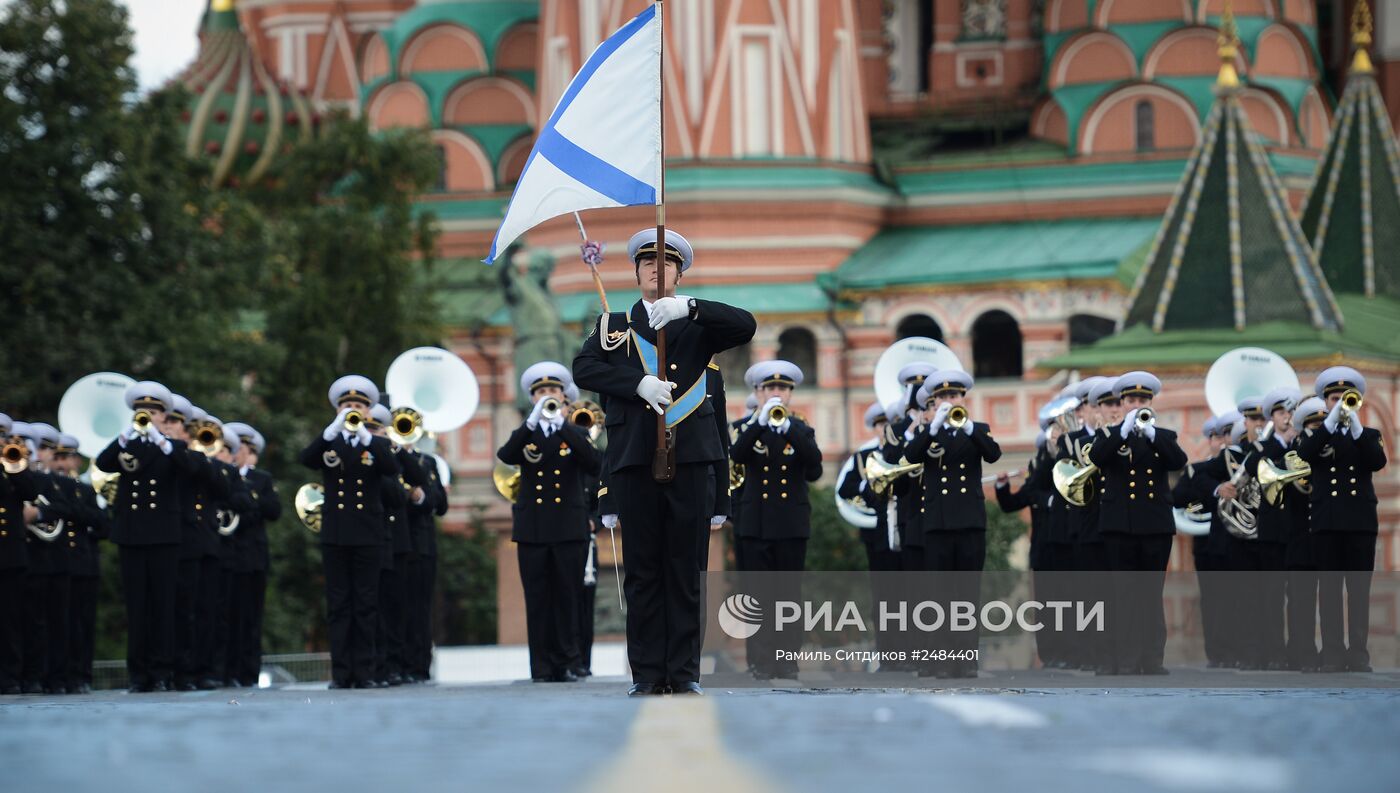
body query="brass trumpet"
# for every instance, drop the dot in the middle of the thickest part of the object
(588, 416)
(208, 439)
(957, 417)
(881, 475)
(353, 421)
(552, 409)
(406, 426)
(141, 421)
(777, 415)
(1145, 418)
(1351, 403)
(14, 456)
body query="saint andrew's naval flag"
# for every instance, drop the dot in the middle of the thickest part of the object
(602, 144)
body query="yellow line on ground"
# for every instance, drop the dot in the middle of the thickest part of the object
(675, 745)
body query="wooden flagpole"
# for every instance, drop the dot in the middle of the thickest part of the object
(663, 467)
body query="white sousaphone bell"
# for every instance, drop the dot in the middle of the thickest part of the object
(1246, 372)
(94, 411)
(914, 349)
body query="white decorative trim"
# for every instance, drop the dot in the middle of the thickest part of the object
(1066, 57)
(337, 38)
(1151, 63)
(374, 40)
(1091, 125)
(474, 149)
(1103, 11)
(435, 31)
(1280, 115)
(376, 102)
(960, 68)
(454, 96)
(1292, 38)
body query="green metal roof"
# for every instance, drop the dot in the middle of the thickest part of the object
(1352, 213)
(994, 252)
(1372, 328)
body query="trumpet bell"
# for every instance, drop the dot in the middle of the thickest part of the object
(1351, 400)
(309, 500)
(437, 383)
(14, 457)
(406, 426)
(141, 421)
(506, 478)
(777, 415)
(1074, 481)
(94, 411)
(208, 439)
(957, 417)
(552, 409)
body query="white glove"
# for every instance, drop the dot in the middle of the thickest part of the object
(1355, 428)
(153, 435)
(555, 424)
(940, 417)
(767, 406)
(533, 422)
(609, 522)
(667, 310)
(915, 416)
(1150, 431)
(1334, 417)
(782, 429)
(363, 436)
(655, 392)
(716, 521)
(332, 429)
(1128, 422)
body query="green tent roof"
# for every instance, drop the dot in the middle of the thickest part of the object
(993, 252)
(1230, 240)
(1352, 214)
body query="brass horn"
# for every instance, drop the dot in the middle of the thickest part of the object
(777, 415)
(552, 409)
(588, 416)
(208, 438)
(1074, 481)
(353, 421)
(957, 417)
(1272, 479)
(882, 475)
(309, 500)
(14, 456)
(141, 421)
(1145, 418)
(1351, 403)
(406, 426)
(507, 481)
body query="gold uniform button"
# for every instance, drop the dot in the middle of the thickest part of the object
(782, 481)
(342, 481)
(782, 467)
(673, 367)
(1353, 492)
(391, 518)
(359, 494)
(962, 479)
(133, 506)
(153, 493)
(1149, 472)
(784, 495)
(962, 465)
(359, 506)
(1132, 495)
(1132, 472)
(198, 507)
(539, 473)
(765, 496)
(945, 491)
(1353, 481)
(556, 499)
(557, 486)
(1334, 492)
(1150, 494)
(340, 493)
(945, 479)
(153, 481)
(72, 545)
(539, 487)
(153, 506)
(964, 490)
(539, 501)
(1334, 481)
(4, 533)
(340, 506)
(2, 510)
(765, 481)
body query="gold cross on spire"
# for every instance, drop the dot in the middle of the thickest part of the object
(1361, 38)
(1229, 41)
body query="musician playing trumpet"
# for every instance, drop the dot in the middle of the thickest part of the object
(952, 518)
(780, 455)
(1344, 454)
(1135, 519)
(550, 520)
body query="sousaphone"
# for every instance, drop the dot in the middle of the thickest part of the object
(906, 351)
(1246, 372)
(94, 411)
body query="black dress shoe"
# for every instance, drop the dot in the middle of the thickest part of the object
(687, 689)
(646, 689)
(1105, 670)
(1309, 669)
(1332, 669)
(1359, 667)
(1155, 670)
(335, 684)
(581, 672)
(11, 691)
(32, 688)
(563, 676)
(186, 686)
(394, 679)
(207, 684)
(160, 687)
(763, 674)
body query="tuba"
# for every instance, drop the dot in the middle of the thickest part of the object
(309, 500)
(882, 475)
